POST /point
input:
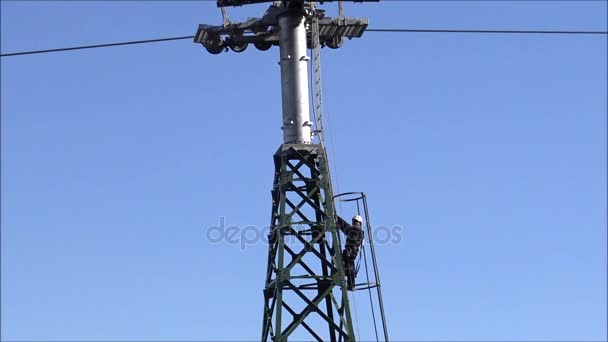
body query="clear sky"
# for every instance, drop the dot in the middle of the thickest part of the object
(489, 151)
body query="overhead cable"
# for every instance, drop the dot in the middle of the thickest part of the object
(484, 31)
(382, 30)
(96, 46)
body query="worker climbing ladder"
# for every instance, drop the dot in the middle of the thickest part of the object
(371, 282)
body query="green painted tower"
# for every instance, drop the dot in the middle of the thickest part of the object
(305, 294)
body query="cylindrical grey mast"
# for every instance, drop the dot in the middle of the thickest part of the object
(294, 77)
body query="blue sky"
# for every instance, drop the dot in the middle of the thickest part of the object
(489, 151)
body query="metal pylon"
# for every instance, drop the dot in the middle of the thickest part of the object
(305, 284)
(305, 293)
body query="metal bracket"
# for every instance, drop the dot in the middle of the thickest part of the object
(263, 32)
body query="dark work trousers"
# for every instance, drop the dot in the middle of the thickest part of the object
(349, 255)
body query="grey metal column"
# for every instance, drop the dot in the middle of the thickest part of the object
(294, 77)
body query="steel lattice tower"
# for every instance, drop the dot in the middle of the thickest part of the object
(304, 251)
(305, 288)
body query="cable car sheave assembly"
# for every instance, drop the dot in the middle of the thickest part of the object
(306, 294)
(263, 32)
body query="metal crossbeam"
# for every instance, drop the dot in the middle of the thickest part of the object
(238, 3)
(262, 33)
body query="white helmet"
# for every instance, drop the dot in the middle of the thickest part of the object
(358, 218)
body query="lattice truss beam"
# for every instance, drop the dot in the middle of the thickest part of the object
(305, 286)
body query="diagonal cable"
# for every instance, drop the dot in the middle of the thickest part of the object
(146, 41)
(380, 30)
